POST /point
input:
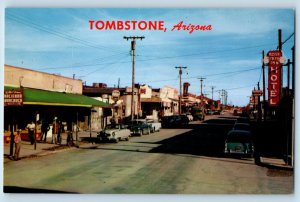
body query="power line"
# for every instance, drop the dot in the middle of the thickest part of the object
(288, 38)
(206, 52)
(233, 74)
(39, 27)
(85, 65)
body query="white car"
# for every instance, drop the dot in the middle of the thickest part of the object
(114, 132)
(155, 125)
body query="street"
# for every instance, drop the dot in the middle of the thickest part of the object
(173, 161)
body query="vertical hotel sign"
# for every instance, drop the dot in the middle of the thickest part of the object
(275, 62)
(13, 98)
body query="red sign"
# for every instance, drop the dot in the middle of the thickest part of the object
(257, 92)
(13, 98)
(274, 78)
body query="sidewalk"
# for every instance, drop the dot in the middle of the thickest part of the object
(29, 151)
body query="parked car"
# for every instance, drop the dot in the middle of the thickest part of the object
(239, 142)
(190, 117)
(174, 121)
(155, 125)
(184, 120)
(114, 132)
(139, 127)
(198, 113)
(242, 120)
(241, 126)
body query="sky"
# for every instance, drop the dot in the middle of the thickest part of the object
(229, 56)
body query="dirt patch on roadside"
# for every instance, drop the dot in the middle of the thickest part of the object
(279, 173)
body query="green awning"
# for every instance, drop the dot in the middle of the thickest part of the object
(43, 97)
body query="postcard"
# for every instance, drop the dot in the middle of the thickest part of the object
(149, 101)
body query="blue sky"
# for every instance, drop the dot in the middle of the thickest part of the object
(229, 56)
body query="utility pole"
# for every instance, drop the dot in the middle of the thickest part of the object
(288, 74)
(293, 71)
(258, 104)
(212, 92)
(264, 86)
(279, 40)
(133, 42)
(201, 80)
(180, 87)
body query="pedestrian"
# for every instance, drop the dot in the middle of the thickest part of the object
(31, 128)
(18, 141)
(70, 141)
(59, 130)
(54, 131)
(45, 128)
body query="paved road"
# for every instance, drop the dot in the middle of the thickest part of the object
(167, 162)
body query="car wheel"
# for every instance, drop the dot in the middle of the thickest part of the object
(127, 138)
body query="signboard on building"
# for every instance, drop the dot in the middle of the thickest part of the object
(115, 94)
(13, 98)
(257, 92)
(275, 61)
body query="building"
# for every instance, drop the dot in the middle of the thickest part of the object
(42, 97)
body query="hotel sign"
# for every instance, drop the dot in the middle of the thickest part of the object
(13, 98)
(275, 62)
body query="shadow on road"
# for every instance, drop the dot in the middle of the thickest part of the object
(205, 139)
(15, 189)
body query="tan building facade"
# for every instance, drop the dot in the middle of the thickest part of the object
(21, 77)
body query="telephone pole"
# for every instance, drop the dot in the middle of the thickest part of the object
(212, 92)
(133, 43)
(180, 87)
(201, 80)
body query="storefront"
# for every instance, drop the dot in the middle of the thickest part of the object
(41, 106)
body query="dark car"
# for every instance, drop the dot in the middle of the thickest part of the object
(139, 127)
(174, 121)
(241, 126)
(242, 120)
(239, 142)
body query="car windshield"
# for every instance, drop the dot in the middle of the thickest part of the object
(241, 127)
(242, 120)
(113, 126)
(239, 137)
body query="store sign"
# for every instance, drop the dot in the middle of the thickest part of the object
(275, 61)
(13, 98)
(115, 94)
(257, 92)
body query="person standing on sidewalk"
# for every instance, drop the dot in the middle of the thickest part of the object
(31, 128)
(59, 131)
(45, 128)
(54, 131)
(17, 140)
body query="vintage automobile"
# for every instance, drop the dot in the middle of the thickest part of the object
(239, 142)
(114, 132)
(241, 126)
(139, 127)
(175, 121)
(155, 125)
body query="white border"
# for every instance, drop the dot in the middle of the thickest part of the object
(150, 4)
